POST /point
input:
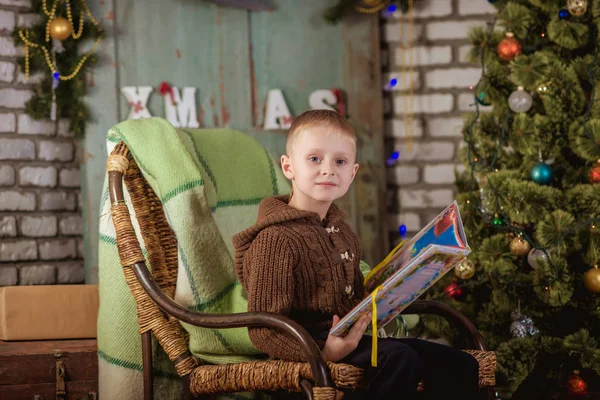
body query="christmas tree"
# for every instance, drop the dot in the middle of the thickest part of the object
(530, 198)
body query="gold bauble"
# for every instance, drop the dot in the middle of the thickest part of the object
(371, 3)
(60, 28)
(519, 246)
(577, 7)
(465, 269)
(591, 280)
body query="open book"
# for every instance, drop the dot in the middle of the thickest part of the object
(409, 270)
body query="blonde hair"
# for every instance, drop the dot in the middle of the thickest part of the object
(311, 118)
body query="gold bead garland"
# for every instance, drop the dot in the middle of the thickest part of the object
(370, 10)
(24, 35)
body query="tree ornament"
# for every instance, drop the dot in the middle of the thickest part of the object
(535, 256)
(541, 173)
(509, 47)
(576, 386)
(594, 175)
(522, 325)
(520, 101)
(577, 7)
(453, 290)
(60, 28)
(481, 96)
(563, 14)
(465, 269)
(591, 280)
(519, 246)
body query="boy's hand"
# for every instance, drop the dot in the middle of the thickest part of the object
(338, 347)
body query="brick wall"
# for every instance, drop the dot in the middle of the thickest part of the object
(420, 184)
(40, 223)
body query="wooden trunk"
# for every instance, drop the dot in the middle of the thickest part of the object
(56, 369)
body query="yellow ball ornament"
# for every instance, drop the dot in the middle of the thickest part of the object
(519, 246)
(60, 28)
(591, 280)
(465, 269)
(577, 7)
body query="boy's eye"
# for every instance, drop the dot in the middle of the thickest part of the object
(340, 162)
(314, 159)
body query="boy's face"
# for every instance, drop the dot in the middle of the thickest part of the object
(322, 165)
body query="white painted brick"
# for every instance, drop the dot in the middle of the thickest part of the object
(80, 248)
(452, 77)
(43, 226)
(466, 102)
(398, 129)
(426, 103)
(28, 20)
(394, 32)
(55, 151)
(7, 20)
(463, 54)
(58, 249)
(16, 3)
(470, 7)
(70, 177)
(403, 81)
(18, 251)
(410, 219)
(7, 47)
(422, 198)
(71, 225)
(451, 29)
(36, 78)
(30, 126)
(423, 55)
(14, 98)
(38, 176)
(8, 276)
(16, 149)
(72, 273)
(445, 127)
(11, 200)
(8, 226)
(403, 175)
(38, 275)
(426, 151)
(8, 123)
(55, 201)
(439, 174)
(7, 175)
(429, 8)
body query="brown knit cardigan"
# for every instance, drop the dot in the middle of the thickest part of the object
(292, 263)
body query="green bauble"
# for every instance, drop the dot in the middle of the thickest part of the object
(541, 173)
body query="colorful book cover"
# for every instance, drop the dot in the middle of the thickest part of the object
(413, 269)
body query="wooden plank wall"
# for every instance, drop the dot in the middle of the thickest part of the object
(233, 57)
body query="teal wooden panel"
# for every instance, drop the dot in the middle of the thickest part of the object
(295, 50)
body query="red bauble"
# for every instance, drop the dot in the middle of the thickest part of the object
(594, 174)
(509, 48)
(576, 385)
(453, 290)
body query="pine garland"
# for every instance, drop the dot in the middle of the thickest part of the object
(344, 7)
(69, 94)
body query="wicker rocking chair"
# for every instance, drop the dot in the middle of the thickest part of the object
(160, 315)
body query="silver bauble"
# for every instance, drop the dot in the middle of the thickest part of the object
(520, 101)
(535, 256)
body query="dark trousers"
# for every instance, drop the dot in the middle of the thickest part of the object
(402, 363)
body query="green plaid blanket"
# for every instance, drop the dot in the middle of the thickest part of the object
(210, 182)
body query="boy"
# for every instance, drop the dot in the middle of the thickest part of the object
(301, 260)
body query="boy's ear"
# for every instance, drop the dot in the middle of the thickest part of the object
(354, 170)
(286, 167)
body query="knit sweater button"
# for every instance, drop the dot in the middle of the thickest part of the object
(349, 290)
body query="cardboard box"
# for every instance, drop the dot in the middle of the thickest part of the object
(48, 312)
